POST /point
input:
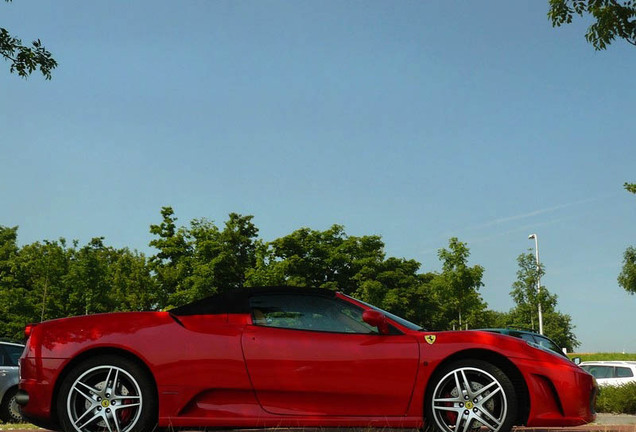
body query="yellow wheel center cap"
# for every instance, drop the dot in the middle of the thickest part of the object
(469, 405)
(105, 403)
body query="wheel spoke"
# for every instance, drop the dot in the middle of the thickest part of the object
(467, 389)
(83, 425)
(494, 422)
(112, 418)
(449, 408)
(127, 399)
(458, 423)
(446, 400)
(130, 405)
(485, 388)
(491, 395)
(111, 381)
(468, 419)
(92, 394)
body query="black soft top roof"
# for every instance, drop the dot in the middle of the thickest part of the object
(238, 301)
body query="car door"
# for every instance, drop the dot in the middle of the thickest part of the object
(314, 355)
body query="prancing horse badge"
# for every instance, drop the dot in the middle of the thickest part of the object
(430, 339)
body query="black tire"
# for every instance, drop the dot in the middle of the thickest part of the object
(107, 389)
(10, 410)
(470, 394)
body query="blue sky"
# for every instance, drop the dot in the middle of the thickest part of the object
(413, 120)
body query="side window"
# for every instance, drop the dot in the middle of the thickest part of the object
(601, 371)
(4, 357)
(308, 312)
(15, 351)
(623, 372)
(9, 355)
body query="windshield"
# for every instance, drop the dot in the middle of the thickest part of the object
(397, 319)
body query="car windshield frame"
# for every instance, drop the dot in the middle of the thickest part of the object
(403, 322)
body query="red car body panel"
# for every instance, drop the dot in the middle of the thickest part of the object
(223, 371)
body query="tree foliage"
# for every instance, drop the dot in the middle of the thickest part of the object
(50, 279)
(557, 326)
(457, 287)
(53, 279)
(627, 277)
(25, 59)
(612, 19)
(201, 260)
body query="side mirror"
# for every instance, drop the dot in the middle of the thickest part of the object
(376, 319)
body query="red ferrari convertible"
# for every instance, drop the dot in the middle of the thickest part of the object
(289, 357)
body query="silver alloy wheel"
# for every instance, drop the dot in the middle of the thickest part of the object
(469, 398)
(104, 398)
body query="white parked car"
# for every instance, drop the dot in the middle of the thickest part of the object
(611, 372)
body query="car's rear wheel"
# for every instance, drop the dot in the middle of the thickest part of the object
(10, 410)
(468, 395)
(107, 393)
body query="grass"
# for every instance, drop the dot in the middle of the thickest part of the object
(17, 426)
(603, 356)
(620, 399)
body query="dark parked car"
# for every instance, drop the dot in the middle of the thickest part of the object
(9, 355)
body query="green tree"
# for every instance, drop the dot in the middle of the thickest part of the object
(132, 286)
(24, 59)
(557, 326)
(201, 260)
(221, 259)
(323, 259)
(49, 279)
(457, 287)
(8, 250)
(627, 277)
(9, 301)
(171, 265)
(41, 269)
(612, 19)
(525, 295)
(88, 275)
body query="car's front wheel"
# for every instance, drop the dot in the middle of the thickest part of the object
(107, 393)
(468, 395)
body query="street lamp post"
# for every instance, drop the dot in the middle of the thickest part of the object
(536, 246)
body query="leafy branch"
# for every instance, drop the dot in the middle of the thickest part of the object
(25, 59)
(614, 19)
